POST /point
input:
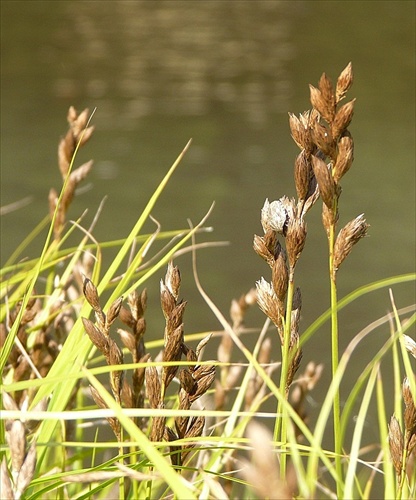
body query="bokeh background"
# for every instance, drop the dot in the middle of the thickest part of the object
(225, 73)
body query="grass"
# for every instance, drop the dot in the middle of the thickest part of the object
(76, 363)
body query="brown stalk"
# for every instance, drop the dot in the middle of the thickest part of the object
(285, 217)
(134, 319)
(16, 479)
(396, 445)
(262, 470)
(229, 374)
(173, 310)
(194, 380)
(99, 335)
(78, 134)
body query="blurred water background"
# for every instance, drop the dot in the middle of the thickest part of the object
(225, 73)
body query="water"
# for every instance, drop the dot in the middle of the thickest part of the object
(224, 73)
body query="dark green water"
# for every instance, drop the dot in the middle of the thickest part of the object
(224, 73)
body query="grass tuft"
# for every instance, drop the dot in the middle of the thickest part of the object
(93, 408)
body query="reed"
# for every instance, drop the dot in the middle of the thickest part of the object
(76, 353)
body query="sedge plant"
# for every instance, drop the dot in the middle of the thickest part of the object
(76, 354)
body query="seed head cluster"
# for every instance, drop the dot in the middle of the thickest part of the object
(326, 154)
(194, 380)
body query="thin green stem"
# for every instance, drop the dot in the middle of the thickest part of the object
(121, 492)
(281, 421)
(403, 474)
(335, 360)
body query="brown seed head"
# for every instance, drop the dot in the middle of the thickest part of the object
(170, 435)
(184, 403)
(295, 240)
(172, 352)
(191, 356)
(327, 93)
(74, 179)
(80, 173)
(153, 386)
(114, 422)
(138, 376)
(297, 299)
(6, 483)
(312, 196)
(322, 137)
(158, 426)
(410, 408)
(261, 248)
(267, 246)
(344, 82)
(325, 181)
(115, 358)
(268, 301)
(237, 309)
(187, 381)
(127, 395)
(140, 328)
(345, 156)
(349, 235)
(265, 351)
(113, 312)
(181, 423)
(407, 393)
(271, 241)
(410, 345)
(195, 427)
(274, 216)
(96, 336)
(66, 149)
(97, 398)
(16, 439)
(173, 280)
(294, 364)
(342, 119)
(203, 376)
(396, 445)
(311, 376)
(296, 130)
(27, 471)
(280, 274)
(225, 348)
(137, 303)
(91, 294)
(53, 200)
(77, 122)
(167, 300)
(87, 133)
(302, 174)
(261, 472)
(176, 317)
(318, 101)
(329, 218)
(300, 130)
(127, 317)
(201, 345)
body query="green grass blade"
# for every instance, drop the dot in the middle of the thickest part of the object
(351, 297)
(389, 476)
(358, 433)
(78, 346)
(176, 482)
